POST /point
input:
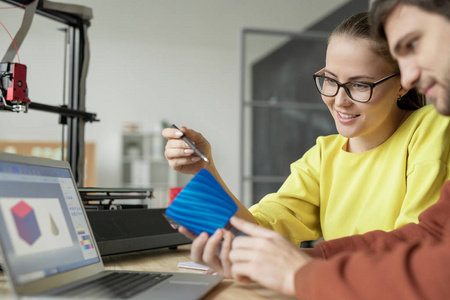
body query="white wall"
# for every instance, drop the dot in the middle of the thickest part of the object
(152, 60)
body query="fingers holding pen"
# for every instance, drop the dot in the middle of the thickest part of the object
(180, 155)
(194, 136)
(176, 148)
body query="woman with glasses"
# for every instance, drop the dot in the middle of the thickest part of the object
(380, 172)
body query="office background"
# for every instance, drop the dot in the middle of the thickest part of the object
(152, 61)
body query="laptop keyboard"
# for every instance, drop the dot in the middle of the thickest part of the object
(115, 285)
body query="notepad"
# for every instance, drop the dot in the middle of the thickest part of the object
(193, 267)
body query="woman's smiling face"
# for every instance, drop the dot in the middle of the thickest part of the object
(351, 59)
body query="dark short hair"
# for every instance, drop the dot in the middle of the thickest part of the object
(357, 26)
(381, 9)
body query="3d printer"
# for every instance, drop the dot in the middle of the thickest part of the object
(13, 85)
(117, 227)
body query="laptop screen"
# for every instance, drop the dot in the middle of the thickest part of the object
(43, 229)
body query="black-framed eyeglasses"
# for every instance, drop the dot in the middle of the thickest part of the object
(359, 91)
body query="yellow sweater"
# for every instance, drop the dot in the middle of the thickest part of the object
(334, 193)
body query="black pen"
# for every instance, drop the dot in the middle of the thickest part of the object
(191, 145)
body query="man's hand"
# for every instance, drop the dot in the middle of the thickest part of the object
(266, 257)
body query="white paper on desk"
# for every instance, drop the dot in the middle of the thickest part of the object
(191, 266)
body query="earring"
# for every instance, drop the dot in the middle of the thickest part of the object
(399, 98)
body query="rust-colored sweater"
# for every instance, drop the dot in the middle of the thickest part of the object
(412, 262)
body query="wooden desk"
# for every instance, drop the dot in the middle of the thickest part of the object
(166, 260)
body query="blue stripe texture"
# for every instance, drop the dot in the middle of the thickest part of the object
(202, 205)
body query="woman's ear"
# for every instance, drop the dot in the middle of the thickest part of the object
(402, 91)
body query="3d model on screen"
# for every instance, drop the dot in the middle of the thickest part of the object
(26, 222)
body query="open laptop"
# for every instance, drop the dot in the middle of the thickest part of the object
(48, 248)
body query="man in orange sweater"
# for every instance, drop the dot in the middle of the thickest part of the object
(412, 262)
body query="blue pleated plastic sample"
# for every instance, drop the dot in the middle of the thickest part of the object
(202, 205)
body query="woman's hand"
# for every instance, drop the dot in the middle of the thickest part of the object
(266, 257)
(180, 156)
(212, 251)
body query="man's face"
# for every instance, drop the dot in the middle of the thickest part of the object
(420, 41)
